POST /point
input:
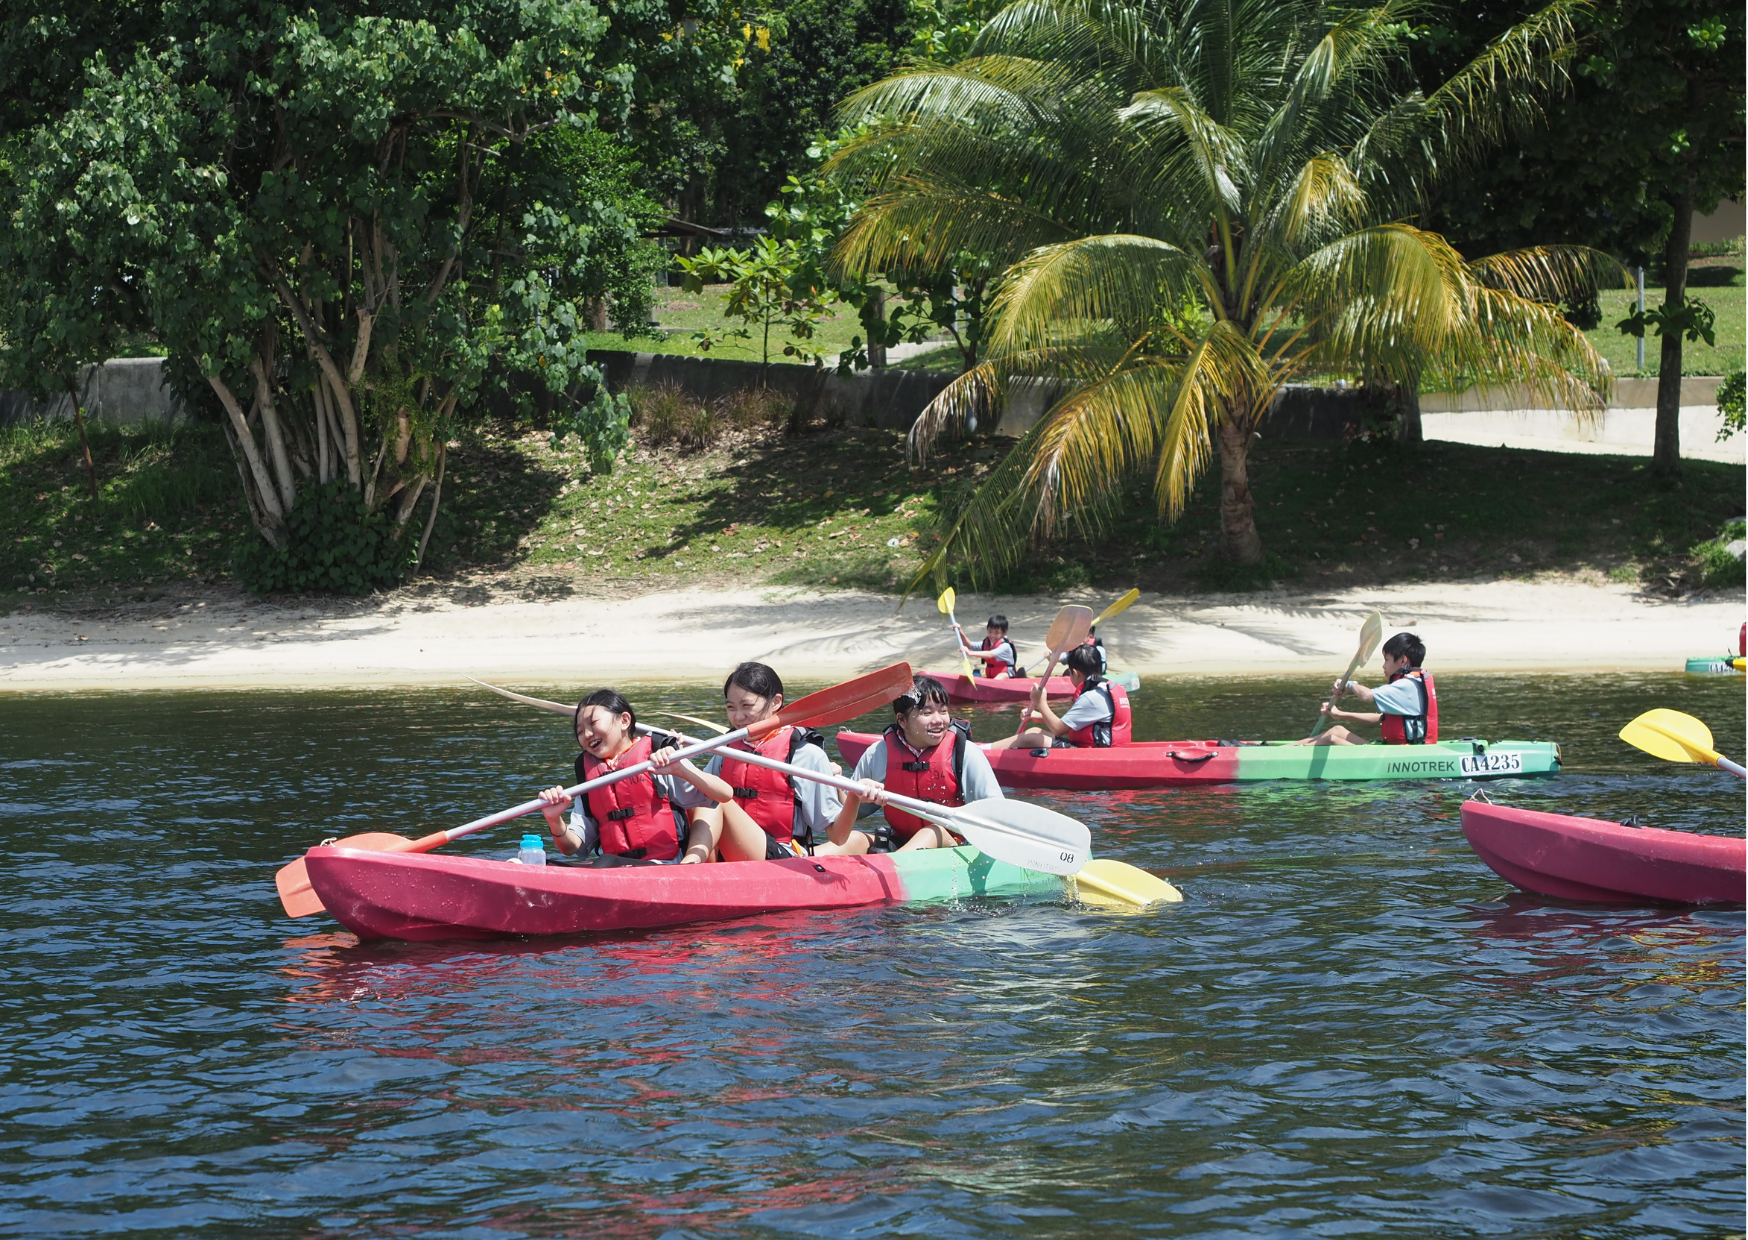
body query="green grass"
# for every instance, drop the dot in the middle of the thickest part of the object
(680, 314)
(1729, 304)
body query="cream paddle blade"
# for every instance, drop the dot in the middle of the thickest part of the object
(1675, 737)
(1116, 884)
(1067, 631)
(1371, 633)
(945, 604)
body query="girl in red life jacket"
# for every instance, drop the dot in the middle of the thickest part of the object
(1407, 704)
(923, 755)
(997, 652)
(634, 819)
(1098, 719)
(766, 814)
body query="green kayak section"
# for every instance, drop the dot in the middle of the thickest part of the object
(962, 873)
(1464, 759)
(1719, 665)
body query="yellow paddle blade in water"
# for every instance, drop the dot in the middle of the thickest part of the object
(1121, 604)
(945, 603)
(1114, 884)
(1672, 736)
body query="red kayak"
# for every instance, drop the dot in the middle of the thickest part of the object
(1591, 859)
(1008, 689)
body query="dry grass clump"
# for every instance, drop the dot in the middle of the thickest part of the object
(666, 414)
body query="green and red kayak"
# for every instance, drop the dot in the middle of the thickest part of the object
(1165, 764)
(1719, 665)
(425, 896)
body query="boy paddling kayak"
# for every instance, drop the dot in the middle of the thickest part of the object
(997, 652)
(1407, 703)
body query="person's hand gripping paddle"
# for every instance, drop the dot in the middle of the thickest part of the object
(1675, 737)
(1121, 605)
(1371, 633)
(828, 706)
(944, 605)
(1067, 631)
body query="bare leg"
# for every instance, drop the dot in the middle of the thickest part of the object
(1337, 735)
(930, 836)
(701, 840)
(855, 846)
(1031, 738)
(742, 839)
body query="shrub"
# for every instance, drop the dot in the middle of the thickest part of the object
(1719, 567)
(333, 543)
(1733, 405)
(665, 413)
(752, 409)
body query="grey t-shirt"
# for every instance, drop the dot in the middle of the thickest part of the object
(978, 782)
(1004, 651)
(1088, 709)
(819, 802)
(1400, 697)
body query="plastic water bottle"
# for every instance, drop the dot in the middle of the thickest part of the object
(533, 851)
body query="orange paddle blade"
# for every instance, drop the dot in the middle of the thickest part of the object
(840, 702)
(299, 899)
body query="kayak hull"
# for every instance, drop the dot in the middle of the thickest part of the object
(1593, 859)
(1719, 665)
(429, 896)
(1010, 689)
(1168, 764)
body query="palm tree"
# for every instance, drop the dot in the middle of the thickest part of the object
(1197, 201)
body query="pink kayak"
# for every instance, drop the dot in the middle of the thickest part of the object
(1593, 859)
(1009, 689)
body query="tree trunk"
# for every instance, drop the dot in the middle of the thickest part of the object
(1239, 540)
(84, 443)
(271, 516)
(877, 313)
(1666, 456)
(1408, 413)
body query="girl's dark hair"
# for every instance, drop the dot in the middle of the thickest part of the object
(1083, 659)
(923, 691)
(611, 700)
(998, 621)
(1406, 646)
(754, 678)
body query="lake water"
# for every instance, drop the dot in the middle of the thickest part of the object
(1350, 1026)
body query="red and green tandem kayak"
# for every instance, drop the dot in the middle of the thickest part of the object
(1015, 688)
(1593, 859)
(426, 896)
(1165, 764)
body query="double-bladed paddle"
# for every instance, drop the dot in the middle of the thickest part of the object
(1067, 631)
(559, 708)
(1371, 632)
(1675, 737)
(945, 605)
(1121, 605)
(828, 706)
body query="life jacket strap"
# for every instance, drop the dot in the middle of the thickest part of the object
(746, 794)
(619, 815)
(915, 766)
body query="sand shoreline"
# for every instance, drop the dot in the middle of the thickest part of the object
(221, 640)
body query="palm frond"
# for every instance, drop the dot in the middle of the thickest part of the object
(1551, 272)
(1113, 278)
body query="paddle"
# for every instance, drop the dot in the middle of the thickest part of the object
(944, 604)
(1675, 737)
(1120, 605)
(1017, 832)
(1067, 631)
(1115, 884)
(828, 706)
(559, 708)
(1371, 631)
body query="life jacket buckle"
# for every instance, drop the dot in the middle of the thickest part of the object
(620, 815)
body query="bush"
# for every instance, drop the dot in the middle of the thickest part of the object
(665, 413)
(1733, 405)
(333, 543)
(752, 409)
(1719, 567)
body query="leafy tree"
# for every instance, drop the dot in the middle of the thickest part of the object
(768, 288)
(1194, 204)
(347, 225)
(1650, 132)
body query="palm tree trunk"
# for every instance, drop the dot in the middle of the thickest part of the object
(1666, 455)
(1239, 540)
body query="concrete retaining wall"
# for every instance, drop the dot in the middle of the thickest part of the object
(123, 389)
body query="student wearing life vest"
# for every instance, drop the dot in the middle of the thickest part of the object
(634, 820)
(1407, 703)
(1099, 646)
(997, 652)
(1098, 719)
(923, 755)
(767, 814)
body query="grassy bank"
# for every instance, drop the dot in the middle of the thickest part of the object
(1716, 281)
(840, 508)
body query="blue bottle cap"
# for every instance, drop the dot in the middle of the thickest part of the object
(534, 841)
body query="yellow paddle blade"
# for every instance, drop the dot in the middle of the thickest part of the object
(946, 602)
(1371, 633)
(1120, 605)
(1672, 736)
(1113, 884)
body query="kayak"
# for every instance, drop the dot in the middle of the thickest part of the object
(1592, 859)
(1166, 764)
(1015, 688)
(1717, 665)
(428, 896)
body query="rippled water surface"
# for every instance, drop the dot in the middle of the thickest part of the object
(1350, 1026)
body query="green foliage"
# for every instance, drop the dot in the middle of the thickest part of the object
(600, 424)
(1693, 319)
(1731, 406)
(771, 285)
(1720, 568)
(333, 544)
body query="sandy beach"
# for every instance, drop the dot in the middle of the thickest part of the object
(409, 639)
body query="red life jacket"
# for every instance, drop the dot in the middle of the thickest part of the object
(1421, 729)
(1115, 730)
(634, 818)
(993, 668)
(769, 797)
(936, 776)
